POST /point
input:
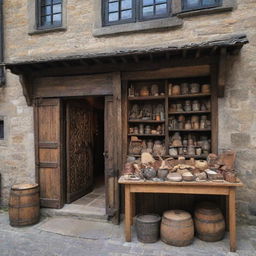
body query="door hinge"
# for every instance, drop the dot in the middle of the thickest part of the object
(112, 173)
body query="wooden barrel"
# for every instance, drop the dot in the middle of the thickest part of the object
(24, 206)
(177, 228)
(209, 222)
(147, 228)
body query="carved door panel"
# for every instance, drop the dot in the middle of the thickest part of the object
(79, 149)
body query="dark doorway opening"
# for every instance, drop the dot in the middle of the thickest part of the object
(84, 147)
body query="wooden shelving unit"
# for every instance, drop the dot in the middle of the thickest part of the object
(166, 101)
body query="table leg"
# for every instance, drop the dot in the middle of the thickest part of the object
(227, 213)
(132, 207)
(128, 213)
(232, 219)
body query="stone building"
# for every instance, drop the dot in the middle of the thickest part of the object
(76, 34)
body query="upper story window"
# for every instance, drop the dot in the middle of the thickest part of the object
(124, 11)
(49, 13)
(199, 4)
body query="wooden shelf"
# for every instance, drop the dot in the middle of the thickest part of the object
(190, 156)
(176, 157)
(190, 112)
(146, 121)
(190, 130)
(147, 98)
(198, 95)
(147, 135)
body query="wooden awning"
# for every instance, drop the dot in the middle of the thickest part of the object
(128, 60)
(231, 44)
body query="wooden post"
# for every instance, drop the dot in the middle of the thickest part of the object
(128, 213)
(232, 219)
(222, 72)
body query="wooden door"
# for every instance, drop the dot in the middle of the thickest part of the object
(48, 132)
(111, 170)
(79, 149)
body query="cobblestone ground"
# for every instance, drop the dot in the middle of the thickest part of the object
(48, 238)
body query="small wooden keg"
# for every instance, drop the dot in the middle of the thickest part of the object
(24, 205)
(209, 222)
(177, 228)
(147, 227)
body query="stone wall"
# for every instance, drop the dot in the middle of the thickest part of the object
(17, 149)
(237, 116)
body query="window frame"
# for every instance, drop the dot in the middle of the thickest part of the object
(39, 16)
(184, 7)
(136, 13)
(153, 17)
(105, 12)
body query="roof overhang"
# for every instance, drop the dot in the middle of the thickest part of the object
(122, 57)
(128, 60)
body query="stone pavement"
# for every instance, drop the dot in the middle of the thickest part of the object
(66, 236)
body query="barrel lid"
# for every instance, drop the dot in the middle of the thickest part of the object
(207, 205)
(148, 218)
(177, 215)
(24, 186)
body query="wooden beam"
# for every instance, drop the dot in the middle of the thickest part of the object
(27, 86)
(113, 60)
(136, 58)
(110, 67)
(175, 72)
(184, 53)
(198, 52)
(124, 60)
(167, 55)
(97, 61)
(222, 72)
(66, 86)
(214, 49)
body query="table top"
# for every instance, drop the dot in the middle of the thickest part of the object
(224, 183)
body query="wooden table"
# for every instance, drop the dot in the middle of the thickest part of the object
(205, 188)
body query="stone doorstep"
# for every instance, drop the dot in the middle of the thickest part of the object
(77, 211)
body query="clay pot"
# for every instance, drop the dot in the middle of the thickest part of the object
(144, 91)
(188, 176)
(194, 118)
(195, 88)
(184, 88)
(179, 107)
(175, 177)
(195, 105)
(128, 169)
(198, 151)
(191, 150)
(230, 177)
(176, 90)
(149, 173)
(205, 88)
(201, 164)
(188, 125)
(212, 175)
(173, 151)
(181, 118)
(162, 173)
(187, 106)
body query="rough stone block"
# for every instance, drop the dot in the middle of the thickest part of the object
(240, 139)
